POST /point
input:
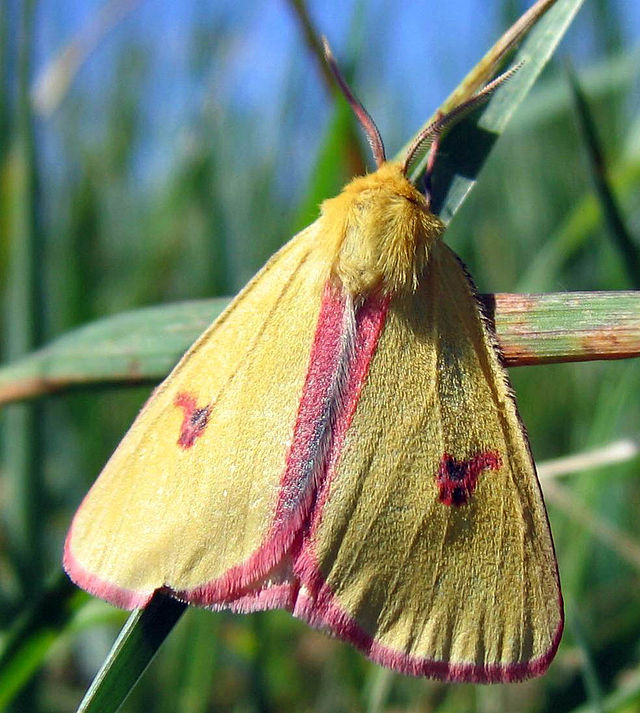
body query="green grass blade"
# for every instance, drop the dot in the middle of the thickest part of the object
(26, 644)
(466, 147)
(144, 345)
(621, 238)
(23, 331)
(130, 347)
(132, 652)
(557, 327)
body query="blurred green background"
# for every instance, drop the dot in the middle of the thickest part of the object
(153, 152)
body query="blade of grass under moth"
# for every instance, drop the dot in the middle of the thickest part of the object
(618, 230)
(466, 147)
(132, 652)
(143, 345)
(129, 347)
(566, 326)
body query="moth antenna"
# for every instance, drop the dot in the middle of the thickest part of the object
(428, 172)
(437, 127)
(367, 123)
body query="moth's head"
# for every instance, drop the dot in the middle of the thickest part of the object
(379, 230)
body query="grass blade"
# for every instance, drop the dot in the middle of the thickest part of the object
(24, 306)
(466, 147)
(130, 347)
(566, 326)
(132, 652)
(143, 345)
(26, 644)
(621, 238)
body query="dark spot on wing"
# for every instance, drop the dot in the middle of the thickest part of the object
(457, 479)
(194, 421)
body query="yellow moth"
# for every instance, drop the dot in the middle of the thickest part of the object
(342, 443)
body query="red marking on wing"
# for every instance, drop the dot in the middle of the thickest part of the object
(457, 479)
(195, 419)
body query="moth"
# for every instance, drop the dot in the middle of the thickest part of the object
(343, 443)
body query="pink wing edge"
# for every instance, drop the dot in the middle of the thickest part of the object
(282, 573)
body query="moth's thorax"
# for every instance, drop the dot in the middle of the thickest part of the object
(378, 233)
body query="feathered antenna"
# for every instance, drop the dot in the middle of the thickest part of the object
(367, 123)
(436, 128)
